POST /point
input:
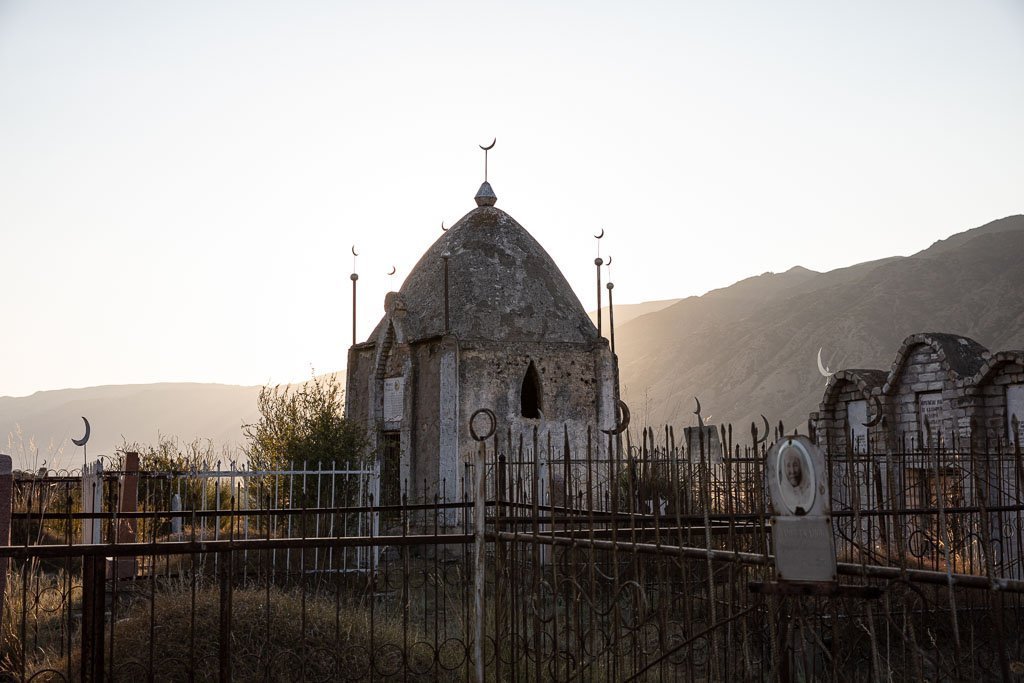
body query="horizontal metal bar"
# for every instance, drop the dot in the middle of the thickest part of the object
(847, 568)
(19, 552)
(238, 512)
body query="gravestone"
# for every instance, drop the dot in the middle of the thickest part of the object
(797, 483)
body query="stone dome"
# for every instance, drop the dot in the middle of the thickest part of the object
(502, 287)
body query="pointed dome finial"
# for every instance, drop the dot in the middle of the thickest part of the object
(485, 195)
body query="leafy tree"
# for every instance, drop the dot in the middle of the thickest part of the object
(303, 427)
(304, 424)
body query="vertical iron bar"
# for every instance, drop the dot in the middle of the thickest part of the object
(355, 278)
(611, 316)
(224, 642)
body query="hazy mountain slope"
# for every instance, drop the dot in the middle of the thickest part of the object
(744, 349)
(626, 312)
(750, 348)
(136, 412)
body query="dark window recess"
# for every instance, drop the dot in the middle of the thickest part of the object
(390, 474)
(530, 397)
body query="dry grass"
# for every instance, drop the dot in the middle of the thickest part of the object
(39, 641)
(308, 639)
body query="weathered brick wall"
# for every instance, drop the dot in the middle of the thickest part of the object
(832, 427)
(923, 372)
(986, 395)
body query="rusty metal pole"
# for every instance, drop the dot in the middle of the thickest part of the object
(93, 611)
(447, 326)
(354, 277)
(224, 641)
(611, 316)
(479, 510)
(598, 262)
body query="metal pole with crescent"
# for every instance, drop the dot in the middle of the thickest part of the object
(611, 305)
(83, 441)
(487, 149)
(598, 262)
(447, 322)
(824, 370)
(354, 277)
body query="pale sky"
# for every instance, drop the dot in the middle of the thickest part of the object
(180, 182)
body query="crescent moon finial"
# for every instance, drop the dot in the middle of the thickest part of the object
(601, 235)
(609, 261)
(878, 413)
(85, 438)
(490, 146)
(825, 371)
(393, 270)
(354, 252)
(443, 229)
(767, 430)
(623, 420)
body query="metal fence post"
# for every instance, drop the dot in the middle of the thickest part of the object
(224, 643)
(479, 523)
(6, 500)
(94, 572)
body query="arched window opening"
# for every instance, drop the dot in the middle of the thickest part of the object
(530, 397)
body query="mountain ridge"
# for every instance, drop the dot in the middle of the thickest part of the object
(746, 349)
(757, 354)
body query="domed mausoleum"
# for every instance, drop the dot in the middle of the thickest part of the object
(503, 331)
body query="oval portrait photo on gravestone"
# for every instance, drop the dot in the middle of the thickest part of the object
(796, 477)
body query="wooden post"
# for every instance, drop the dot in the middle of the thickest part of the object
(92, 501)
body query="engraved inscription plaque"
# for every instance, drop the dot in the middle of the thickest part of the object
(929, 405)
(856, 416)
(1015, 408)
(394, 401)
(804, 548)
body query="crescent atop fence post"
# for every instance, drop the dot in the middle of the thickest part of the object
(767, 430)
(85, 438)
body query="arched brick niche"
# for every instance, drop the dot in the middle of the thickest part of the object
(995, 395)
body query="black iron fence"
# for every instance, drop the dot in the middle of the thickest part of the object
(560, 557)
